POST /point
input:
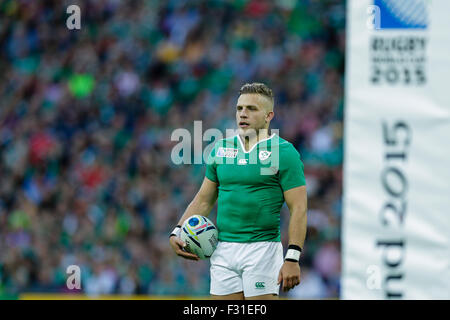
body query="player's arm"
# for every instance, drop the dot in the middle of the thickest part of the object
(202, 204)
(296, 200)
(203, 201)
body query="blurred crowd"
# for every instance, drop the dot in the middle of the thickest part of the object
(86, 118)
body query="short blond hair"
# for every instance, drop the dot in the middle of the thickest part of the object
(258, 88)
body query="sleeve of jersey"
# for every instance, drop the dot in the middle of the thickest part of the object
(291, 169)
(211, 166)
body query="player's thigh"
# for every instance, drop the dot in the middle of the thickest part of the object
(225, 279)
(263, 264)
(232, 296)
(264, 297)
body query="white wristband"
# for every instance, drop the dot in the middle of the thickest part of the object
(292, 254)
(176, 232)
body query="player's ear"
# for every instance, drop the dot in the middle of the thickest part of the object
(269, 116)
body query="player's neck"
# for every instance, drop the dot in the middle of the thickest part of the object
(250, 141)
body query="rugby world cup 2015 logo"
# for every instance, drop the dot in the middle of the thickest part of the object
(398, 42)
(398, 14)
(227, 152)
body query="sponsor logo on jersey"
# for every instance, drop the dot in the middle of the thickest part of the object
(243, 161)
(260, 285)
(264, 154)
(227, 152)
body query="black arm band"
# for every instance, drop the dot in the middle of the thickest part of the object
(295, 247)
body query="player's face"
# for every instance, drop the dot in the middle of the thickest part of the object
(252, 113)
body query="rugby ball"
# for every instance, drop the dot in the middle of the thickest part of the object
(200, 236)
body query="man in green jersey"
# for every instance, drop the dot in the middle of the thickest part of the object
(251, 175)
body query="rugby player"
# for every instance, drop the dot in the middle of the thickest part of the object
(252, 175)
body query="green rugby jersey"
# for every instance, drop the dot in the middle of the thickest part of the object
(251, 186)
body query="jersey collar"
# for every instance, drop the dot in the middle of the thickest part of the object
(243, 147)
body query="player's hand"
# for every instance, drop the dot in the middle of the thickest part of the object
(289, 275)
(178, 246)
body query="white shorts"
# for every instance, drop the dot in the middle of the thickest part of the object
(249, 267)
